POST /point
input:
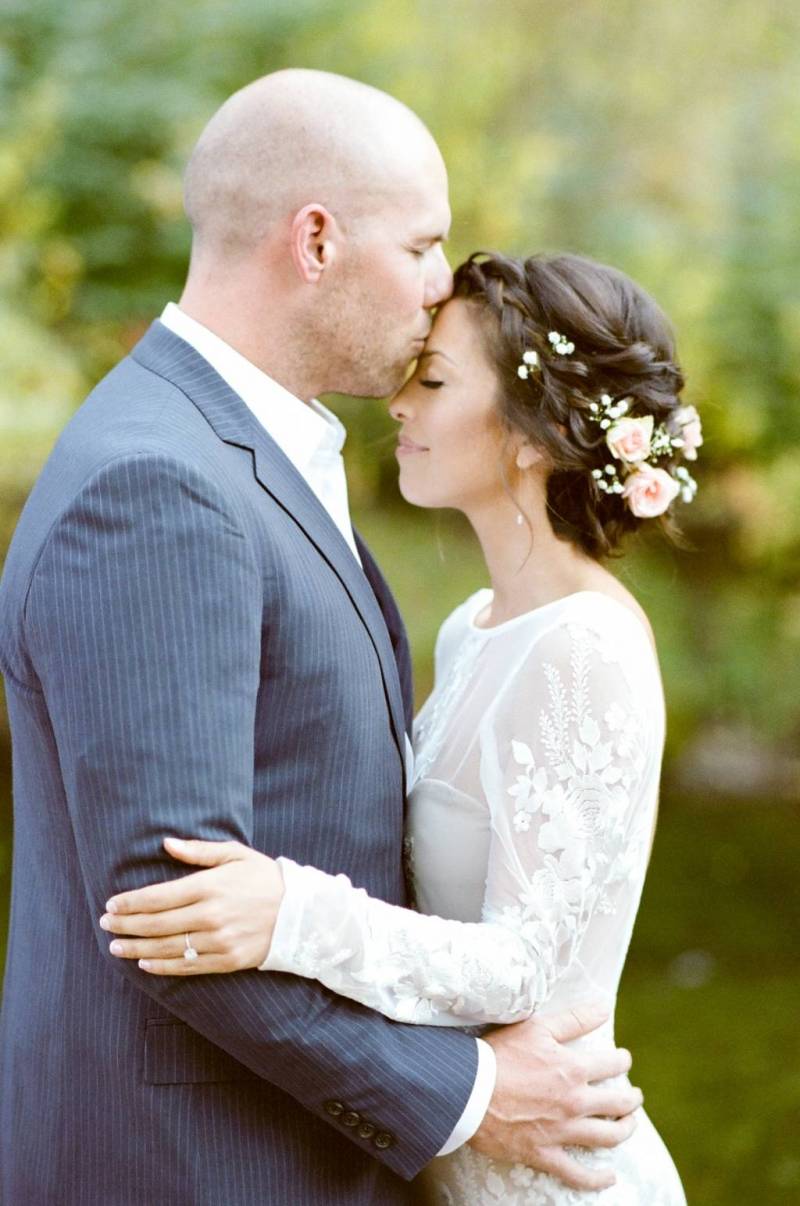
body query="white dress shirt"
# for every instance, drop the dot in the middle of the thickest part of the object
(312, 438)
(307, 433)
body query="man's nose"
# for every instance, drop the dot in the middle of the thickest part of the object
(439, 282)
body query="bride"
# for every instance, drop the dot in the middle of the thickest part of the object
(545, 406)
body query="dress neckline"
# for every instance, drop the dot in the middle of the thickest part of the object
(485, 595)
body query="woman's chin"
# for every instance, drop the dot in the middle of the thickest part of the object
(417, 498)
(418, 489)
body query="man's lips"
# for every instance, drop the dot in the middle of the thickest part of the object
(405, 446)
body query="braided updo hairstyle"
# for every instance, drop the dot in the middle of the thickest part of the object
(623, 347)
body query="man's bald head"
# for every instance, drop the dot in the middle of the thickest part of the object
(296, 137)
(319, 207)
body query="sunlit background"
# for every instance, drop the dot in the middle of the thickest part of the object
(663, 138)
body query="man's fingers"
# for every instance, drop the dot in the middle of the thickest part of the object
(159, 925)
(605, 1063)
(612, 1101)
(575, 1022)
(602, 1132)
(558, 1163)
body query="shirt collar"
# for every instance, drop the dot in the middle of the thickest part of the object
(300, 430)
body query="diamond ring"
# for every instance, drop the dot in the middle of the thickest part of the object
(189, 954)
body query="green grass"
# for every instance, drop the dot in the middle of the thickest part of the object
(709, 999)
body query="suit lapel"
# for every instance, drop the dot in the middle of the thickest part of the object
(172, 358)
(394, 623)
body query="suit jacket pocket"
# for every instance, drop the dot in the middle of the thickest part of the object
(174, 1054)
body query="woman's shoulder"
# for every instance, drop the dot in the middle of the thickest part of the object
(610, 613)
(587, 655)
(596, 641)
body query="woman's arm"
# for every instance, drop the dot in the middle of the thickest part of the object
(561, 767)
(225, 914)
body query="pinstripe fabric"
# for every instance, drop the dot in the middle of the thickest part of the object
(190, 647)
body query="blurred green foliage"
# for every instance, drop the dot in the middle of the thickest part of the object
(661, 138)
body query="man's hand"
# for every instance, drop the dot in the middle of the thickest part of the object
(547, 1097)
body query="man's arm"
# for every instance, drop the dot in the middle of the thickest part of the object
(144, 623)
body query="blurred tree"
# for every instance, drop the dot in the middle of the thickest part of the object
(662, 139)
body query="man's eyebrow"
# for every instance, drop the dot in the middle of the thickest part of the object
(430, 238)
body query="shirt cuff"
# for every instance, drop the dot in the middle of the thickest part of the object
(478, 1104)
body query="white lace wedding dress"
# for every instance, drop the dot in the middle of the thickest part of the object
(530, 820)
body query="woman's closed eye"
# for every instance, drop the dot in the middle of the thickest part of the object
(430, 383)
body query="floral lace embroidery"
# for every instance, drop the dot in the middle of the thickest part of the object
(469, 1179)
(570, 801)
(580, 796)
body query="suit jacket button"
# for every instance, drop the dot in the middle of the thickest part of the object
(334, 1108)
(383, 1139)
(351, 1118)
(366, 1130)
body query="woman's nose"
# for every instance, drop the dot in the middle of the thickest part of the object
(400, 405)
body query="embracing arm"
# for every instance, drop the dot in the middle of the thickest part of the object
(144, 621)
(551, 1093)
(561, 767)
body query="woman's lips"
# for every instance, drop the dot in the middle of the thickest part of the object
(407, 447)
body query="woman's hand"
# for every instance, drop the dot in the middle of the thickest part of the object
(228, 912)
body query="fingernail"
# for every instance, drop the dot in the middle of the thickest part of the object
(145, 964)
(116, 948)
(111, 906)
(175, 841)
(105, 922)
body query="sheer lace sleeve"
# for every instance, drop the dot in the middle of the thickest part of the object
(563, 747)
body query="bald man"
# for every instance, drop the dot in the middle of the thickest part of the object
(195, 642)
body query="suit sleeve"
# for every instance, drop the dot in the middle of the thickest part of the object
(144, 622)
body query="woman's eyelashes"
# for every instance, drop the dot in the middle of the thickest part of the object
(430, 383)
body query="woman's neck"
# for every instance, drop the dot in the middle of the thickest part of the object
(528, 565)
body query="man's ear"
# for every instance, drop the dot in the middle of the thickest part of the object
(314, 237)
(528, 456)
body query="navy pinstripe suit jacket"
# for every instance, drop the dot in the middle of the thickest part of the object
(189, 647)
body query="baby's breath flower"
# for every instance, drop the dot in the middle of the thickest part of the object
(560, 343)
(530, 364)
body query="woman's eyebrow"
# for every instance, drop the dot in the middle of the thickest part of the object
(436, 352)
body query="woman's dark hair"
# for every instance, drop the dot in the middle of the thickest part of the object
(624, 347)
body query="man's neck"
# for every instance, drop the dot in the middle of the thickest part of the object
(262, 340)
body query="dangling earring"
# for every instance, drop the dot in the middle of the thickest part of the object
(520, 520)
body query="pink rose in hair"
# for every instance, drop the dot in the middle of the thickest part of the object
(649, 491)
(691, 431)
(629, 439)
